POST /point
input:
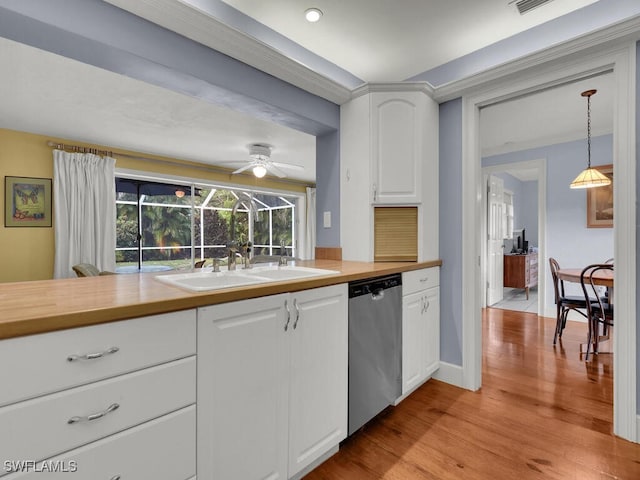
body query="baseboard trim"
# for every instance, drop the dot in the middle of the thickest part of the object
(450, 373)
(637, 440)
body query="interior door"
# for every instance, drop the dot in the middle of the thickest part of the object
(495, 237)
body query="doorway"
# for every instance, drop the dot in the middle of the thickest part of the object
(523, 217)
(620, 61)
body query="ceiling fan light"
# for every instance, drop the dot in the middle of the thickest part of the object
(313, 14)
(259, 171)
(590, 178)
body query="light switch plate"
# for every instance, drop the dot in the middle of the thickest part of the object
(327, 220)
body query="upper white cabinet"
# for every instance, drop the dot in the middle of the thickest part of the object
(397, 123)
(272, 383)
(388, 157)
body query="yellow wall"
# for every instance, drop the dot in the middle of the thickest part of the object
(26, 253)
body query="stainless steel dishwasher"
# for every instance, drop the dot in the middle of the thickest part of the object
(375, 347)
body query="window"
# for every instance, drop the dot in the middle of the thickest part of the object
(154, 223)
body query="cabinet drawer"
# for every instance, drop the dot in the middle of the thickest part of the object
(162, 449)
(39, 428)
(40, 365)
(417, 280)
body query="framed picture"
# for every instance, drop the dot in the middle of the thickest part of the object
(600, 202)
(27, 202)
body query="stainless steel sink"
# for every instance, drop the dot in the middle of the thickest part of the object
(208, 280)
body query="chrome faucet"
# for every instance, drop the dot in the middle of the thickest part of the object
(282, 262)
(232, 251)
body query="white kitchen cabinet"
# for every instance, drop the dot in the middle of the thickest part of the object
(413, 325)
(272, 383)
(162, 449)
(398, 120)
(318, 374)
(388, 157)
(420, 327)
(95, 391)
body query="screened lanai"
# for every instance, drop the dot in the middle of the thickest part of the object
(171, 226)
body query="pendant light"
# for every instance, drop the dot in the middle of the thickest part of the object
(590, 177)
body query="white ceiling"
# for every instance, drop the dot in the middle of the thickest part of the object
(376, 40)
(48, 94)
(384, 40)
(552, 116)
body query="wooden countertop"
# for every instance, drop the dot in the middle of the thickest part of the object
(47, 305)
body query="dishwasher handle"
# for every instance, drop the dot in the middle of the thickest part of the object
(378, 294)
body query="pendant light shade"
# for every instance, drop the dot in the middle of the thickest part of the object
(590, 177)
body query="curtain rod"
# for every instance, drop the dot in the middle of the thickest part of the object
(79, 149)
(95, 151)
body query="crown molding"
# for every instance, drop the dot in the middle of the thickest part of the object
(207, 30)
(625, 31)
(393, 87)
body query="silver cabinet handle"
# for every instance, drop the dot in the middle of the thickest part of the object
(94, 416)
(424, 279)
(92, 356)
(375, 192)
(286, 307)
(425, 305)
(115, 477)
(295, 305)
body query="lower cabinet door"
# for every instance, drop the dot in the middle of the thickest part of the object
(319, 370)
(242, 389)
(162, 449)
(432, 331)
(412, 340)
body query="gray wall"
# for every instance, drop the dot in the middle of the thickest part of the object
(102, 35)
(450, 231)
(637, 225)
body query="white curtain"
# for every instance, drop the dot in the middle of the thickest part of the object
(310, 232)
(84, 206)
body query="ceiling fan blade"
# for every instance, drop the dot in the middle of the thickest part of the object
(230, 161)
(246, 167)
(273, 169)
(292, 166)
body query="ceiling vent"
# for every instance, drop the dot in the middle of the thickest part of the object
(525, 6)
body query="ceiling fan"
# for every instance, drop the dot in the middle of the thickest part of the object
(260, 162)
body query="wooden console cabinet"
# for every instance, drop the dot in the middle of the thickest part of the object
(521, 271)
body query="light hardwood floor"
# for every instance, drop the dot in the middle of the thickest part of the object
(542, 413)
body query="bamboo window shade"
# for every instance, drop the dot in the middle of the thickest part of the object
(395, 234)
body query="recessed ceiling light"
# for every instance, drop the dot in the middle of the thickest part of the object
(313, 14)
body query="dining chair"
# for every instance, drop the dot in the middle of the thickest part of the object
(89, 270)
(564, 303)
(599, 309)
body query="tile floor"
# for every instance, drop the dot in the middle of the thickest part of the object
(516, 299)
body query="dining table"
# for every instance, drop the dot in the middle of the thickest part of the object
(602, 278)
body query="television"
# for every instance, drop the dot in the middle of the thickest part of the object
(520, 244)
